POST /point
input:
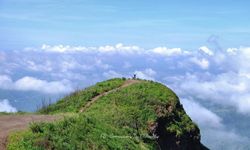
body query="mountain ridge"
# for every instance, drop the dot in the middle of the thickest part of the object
(120, 114)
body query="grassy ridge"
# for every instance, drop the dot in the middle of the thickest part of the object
(76, 100)
(119, 120)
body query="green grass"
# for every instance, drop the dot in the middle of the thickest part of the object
(119, 120)
(75, 101)
(22, 140)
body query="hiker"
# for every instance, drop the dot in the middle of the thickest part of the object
(134, 77)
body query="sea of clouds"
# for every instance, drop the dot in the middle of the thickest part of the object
(210, 81)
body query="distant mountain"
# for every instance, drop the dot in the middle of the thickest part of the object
(114, 114)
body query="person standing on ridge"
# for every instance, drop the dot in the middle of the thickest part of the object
(134, 77)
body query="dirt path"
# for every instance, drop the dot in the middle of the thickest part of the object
(9, 123)
(93, 100)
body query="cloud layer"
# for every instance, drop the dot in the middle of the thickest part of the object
(109, 49)
(33, 84)
(204, 77)
(201, 115)
(219, 76)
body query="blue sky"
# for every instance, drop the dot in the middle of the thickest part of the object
(186, 24)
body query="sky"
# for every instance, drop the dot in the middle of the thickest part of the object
(200, 49)
(145, 23)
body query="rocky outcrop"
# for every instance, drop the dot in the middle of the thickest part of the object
(186, 139)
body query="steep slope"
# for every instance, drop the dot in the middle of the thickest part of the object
(141, 115)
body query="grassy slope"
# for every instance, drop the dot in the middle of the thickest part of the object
(76, 100)
(119, 120)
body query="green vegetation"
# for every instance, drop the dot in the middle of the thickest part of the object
(76, 100)
(123, 119)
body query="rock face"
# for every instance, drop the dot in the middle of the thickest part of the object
(120, 114)
(168, 140)
(173, 129)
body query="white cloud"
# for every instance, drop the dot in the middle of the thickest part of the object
(33, 84)
(232, 51)
(147, 74)
(166, 51)
(100, 64)
(106, 48)
(212, 89)
(45, 67)
(70, 76)
(5, 106)
(242, 102)
(6, 82)
(67, 65)
(200, 114)
(228, 89)
(150, 72)
(222, 79)
(119, 48)
(206, 50)
(63, 49)
(245, 51)
(203, 63)
(109, 49)
(112, 74)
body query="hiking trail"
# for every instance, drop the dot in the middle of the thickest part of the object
(93, 100)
